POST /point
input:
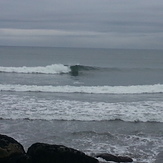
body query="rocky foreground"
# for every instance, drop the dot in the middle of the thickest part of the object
(12, 151)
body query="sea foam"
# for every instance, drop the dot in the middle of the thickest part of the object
(134, 89)
(27, 107)
(49, 69)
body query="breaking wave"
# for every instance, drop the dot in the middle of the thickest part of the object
(134, 89)
(49, 69)
(73, 70)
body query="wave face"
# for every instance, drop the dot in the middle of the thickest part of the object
(75, 69)
(135, 89)
(27, 107)
(82, 68)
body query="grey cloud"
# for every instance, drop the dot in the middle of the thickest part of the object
(114, 23)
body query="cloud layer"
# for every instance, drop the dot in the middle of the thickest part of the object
(82, 23)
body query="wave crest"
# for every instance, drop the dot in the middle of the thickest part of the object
(50, 69)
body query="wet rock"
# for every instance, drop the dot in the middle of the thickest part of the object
(11, 151)
(21, 158)
(46, 153)
(110, 157)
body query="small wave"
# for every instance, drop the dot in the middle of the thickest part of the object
(77, 133)
(84, 120)
(135, 89)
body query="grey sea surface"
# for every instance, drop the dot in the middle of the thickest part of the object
(94, 100)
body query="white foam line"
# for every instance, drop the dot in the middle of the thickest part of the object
(50, 69)
(137, 89)
(17, 107)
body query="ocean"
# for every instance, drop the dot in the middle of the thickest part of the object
(93, 100)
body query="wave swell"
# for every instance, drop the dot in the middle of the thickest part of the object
(135, 89)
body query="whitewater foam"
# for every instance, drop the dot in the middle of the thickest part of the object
(135, 89)
(50, 69)
(27, 107)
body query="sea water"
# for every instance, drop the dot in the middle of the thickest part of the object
(94, 100)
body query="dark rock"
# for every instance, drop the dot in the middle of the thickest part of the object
(11, 151)
(46, 153)
(21, 158)
(110, 157)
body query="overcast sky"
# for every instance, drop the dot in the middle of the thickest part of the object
(82, 23)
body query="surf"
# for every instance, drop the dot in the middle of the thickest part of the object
(74, 69)
(133, 89)
(27, 107)
(49, 69)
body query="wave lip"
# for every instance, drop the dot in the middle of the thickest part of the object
(135, 89)
(50, 69)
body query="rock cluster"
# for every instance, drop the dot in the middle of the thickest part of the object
(12, 151)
